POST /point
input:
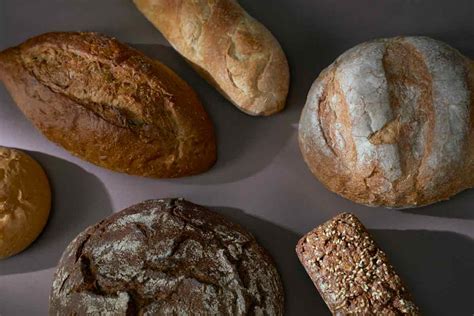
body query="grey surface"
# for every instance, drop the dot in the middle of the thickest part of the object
(260, 179)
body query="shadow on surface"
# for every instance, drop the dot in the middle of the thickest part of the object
(459, 206)
(243, 141)
(79, 200)
(437, 267)
(301, 297)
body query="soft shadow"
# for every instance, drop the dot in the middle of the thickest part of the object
(459, 206)
(248, 144)
(242, 140)
(437, 267)
(79, 200)
(301, 297)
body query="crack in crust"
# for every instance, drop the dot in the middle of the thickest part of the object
(164, 257)
(228, 47)
(376, 128)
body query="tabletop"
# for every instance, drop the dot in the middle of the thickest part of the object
(260, 179)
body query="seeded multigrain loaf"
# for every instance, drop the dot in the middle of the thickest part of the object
(351, 273)
(391, 123)
(166, 257)
(110, 104)
(229, 48)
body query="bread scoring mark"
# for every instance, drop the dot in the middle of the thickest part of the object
(116, 90)
(362, 79)
(451, 107)
(246, 61)
(193, 16)
(310, 128)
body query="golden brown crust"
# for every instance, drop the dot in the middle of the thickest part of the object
(228, 47)
(352, 274)
(376, 127)
(25, 201)
(110, 104)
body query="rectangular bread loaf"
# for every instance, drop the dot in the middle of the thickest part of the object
(351, 273)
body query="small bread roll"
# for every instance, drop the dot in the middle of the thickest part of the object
(25, 201)
(390, 123)
(229, 48)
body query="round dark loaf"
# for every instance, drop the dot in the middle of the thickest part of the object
(166, 257)
(391, 123)
(110, 104)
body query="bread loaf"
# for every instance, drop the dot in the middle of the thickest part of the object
(228, 47)
(110, 104)
(25, 201)
(351, 273)
(166, 257)
(391, 123)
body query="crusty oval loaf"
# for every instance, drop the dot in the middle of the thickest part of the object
(110, 104)
(228, 47)
(166, 257)
(391, 123)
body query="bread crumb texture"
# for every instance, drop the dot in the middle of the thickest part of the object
(391, 123)
(25, 201)
(352, 274)
(166, 257)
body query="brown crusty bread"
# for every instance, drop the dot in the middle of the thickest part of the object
(229, 48)
(351, 273)
(166, 257)
(110, 104)
(25, 201)
(391, 123)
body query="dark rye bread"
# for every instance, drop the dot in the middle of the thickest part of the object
(110, 104)
(166, 257)
(350, 272)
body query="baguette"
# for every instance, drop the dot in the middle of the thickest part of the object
(229, 48)
(110, 104)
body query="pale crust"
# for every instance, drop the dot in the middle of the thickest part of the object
(390, 123)
(25, 201)
(110, 104)
(228, 47)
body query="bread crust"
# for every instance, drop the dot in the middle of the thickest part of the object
(391, 123)
(230, 49)
(110, 104)
(166, 257)
(351, 273)
(25, 201)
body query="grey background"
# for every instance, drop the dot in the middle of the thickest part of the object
(260, 179)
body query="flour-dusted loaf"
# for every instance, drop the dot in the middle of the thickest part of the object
(25, 201)
(228, 47)
(391, 123)
(351, 273)
(166, 257)
(110, 104)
